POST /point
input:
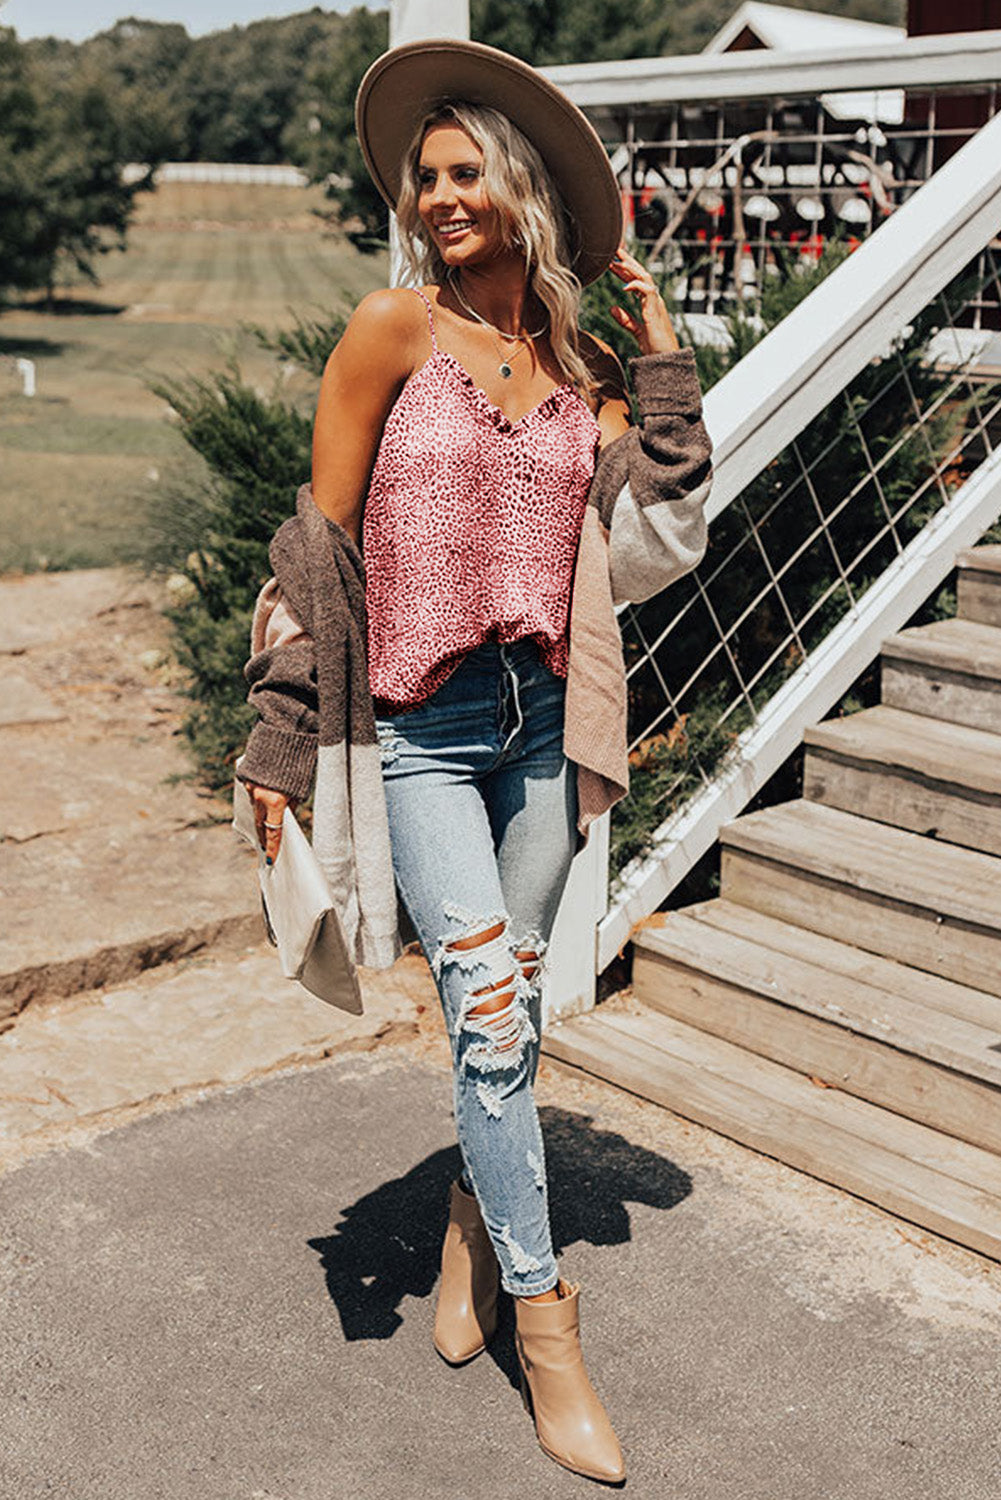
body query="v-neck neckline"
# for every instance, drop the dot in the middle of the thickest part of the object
(496, 413)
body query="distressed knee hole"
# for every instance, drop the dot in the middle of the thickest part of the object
(487, 946)
(498, 1019)
(496, 1000)
(493, 1026)
(477, 939)
(501, 997)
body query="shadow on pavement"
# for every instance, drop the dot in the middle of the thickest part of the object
(388, 1244)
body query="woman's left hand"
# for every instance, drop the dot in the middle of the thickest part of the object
(650, 326)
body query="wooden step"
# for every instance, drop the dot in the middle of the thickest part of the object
(978, 593)
(880, 1045)
(948, 670)
(931, 905)
(935, 778)
(844, 959)
(943, 1184)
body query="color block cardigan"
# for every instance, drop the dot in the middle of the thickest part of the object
(643, 527)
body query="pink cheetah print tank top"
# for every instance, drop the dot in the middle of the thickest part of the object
(471, 527)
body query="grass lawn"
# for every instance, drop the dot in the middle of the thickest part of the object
(81, 462)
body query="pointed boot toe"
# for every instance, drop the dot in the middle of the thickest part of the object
(571, 1424)
(466, 1314)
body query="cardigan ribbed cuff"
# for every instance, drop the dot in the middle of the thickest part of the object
(666, 384)
(281, 759)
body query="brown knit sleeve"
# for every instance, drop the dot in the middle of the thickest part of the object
(651, 484)
(281, 751)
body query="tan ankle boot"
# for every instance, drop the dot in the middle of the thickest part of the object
(570, 1421)
(466, 1315)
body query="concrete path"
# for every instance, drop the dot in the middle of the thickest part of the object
(233, 1301)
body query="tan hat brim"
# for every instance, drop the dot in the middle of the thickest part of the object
(403, 85)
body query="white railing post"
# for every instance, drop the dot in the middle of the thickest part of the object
(413, 21)
(572, 960)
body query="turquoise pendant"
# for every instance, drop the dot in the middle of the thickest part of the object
(504, 371)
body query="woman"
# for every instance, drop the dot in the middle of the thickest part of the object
(479, 447)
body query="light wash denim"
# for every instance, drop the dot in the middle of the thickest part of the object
(482, 819)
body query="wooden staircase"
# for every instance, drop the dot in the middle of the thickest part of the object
(839, 1007)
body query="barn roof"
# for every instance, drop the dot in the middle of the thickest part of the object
(789, 30)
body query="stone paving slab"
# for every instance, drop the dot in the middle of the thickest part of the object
(129, 785)
(110, 861)
(193, 1025)
(39, 608)
(233, 1301)
(81, 911)
(21, 702)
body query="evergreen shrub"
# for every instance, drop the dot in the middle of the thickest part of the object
(213, 538)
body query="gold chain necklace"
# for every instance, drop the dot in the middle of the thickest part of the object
(504, 368)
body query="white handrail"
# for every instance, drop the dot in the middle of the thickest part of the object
(914, 62)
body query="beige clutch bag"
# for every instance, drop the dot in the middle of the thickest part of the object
(299, 912)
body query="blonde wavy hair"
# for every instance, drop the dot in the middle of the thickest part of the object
(531, 215)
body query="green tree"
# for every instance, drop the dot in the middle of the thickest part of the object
(242, 86)
(19, 136)
(320, 137)
(545, 32)
(137, 65)
(62, 197)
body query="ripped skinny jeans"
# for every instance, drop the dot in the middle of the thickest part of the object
(482, 819)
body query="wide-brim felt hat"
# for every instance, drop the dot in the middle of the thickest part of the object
(405, 84)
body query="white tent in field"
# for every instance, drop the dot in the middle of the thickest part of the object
(781, 28)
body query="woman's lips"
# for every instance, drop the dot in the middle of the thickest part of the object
(453, 230)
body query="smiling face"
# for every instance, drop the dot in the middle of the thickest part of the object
(452, 199)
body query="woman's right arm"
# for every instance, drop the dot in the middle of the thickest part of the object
(365, 373)
(377, 353)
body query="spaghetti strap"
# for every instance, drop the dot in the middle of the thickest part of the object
(427, 304)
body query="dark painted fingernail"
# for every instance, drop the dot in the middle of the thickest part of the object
(268, 860)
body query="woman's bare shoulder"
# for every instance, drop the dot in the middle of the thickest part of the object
(392, 311)
(382, 339)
